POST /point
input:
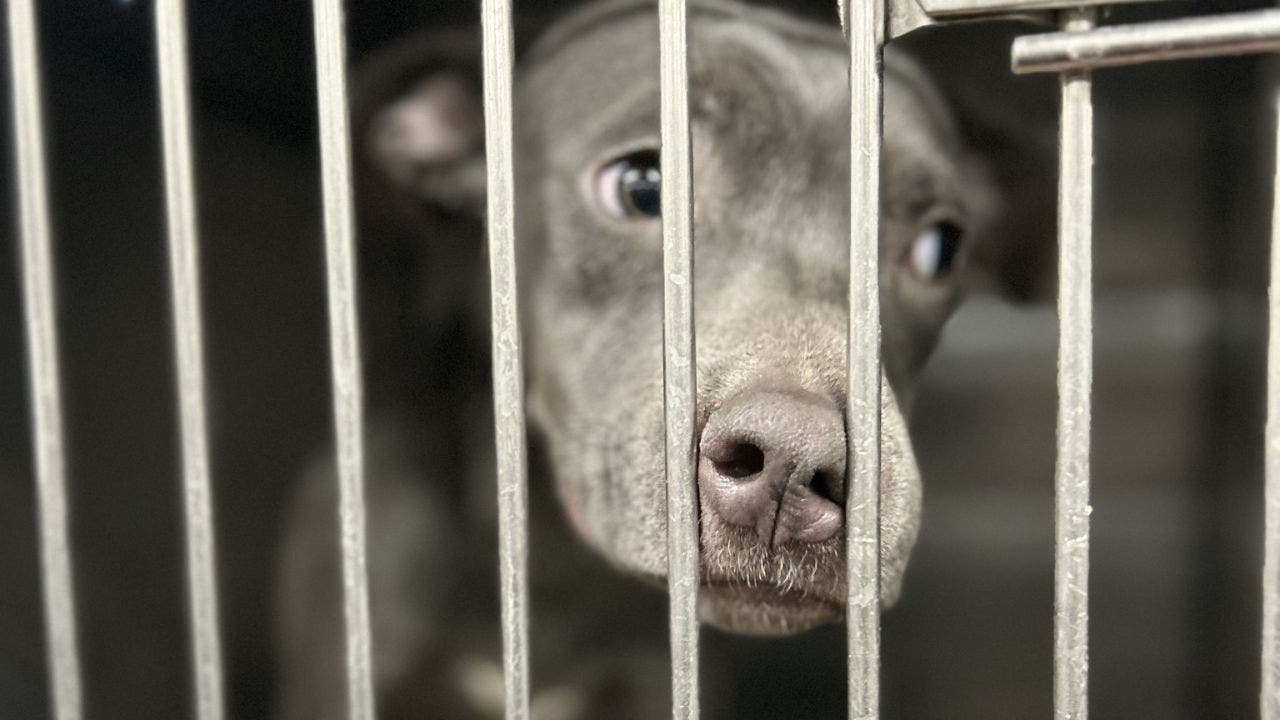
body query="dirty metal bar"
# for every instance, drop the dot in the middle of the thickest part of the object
(946, 9)
(1075, 380)
(42, 359)
(344, 339)
(904, 16)
(1234, 34)
(175, 117)
(862, 503)
(508, 377)
(1270, 696)
(680, 356)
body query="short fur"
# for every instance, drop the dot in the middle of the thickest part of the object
(770, 144)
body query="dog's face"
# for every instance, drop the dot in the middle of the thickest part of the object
(770, 109)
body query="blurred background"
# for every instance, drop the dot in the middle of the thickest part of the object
(1185, 160)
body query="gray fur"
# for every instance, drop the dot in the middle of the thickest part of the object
(770, 143)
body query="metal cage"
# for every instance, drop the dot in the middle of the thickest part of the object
(1073, 53)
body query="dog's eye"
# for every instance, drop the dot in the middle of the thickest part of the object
(631, 186)
(933, 253)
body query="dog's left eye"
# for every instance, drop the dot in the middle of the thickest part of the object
(631, 186)
(933, 253)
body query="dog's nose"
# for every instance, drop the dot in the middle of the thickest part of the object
(773, 460)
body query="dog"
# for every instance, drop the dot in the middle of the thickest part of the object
(770, 128)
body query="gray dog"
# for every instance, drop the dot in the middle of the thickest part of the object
(770, 129)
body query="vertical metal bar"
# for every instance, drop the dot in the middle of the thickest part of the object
(42, 349)
(508, 377)
(1075, 381)
(1270, 697)
(344, 338)
(862, 503)
(679, 356)
(184, 270)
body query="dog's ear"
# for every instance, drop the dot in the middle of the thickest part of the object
(1016, 246)
(418, 126)
(417, 140)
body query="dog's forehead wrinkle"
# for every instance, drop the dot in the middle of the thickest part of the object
(598, 16)
(723, 53)
(738, 96)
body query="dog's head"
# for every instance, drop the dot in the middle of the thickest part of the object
(770, 126)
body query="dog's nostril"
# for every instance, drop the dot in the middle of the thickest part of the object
(824, 486)
(742, 460)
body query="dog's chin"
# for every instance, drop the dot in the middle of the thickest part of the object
(750, 589)
(763, 611)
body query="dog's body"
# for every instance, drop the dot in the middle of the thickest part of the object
(770, 142)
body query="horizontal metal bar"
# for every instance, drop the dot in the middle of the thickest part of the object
(184, 270)
(1232, 34)
(903, 16)
(43, 367)
(971, 8)
(680, 356)
(508, 376)
(862, 502)
(1075, 382)
(344, 340)
(1270, 695)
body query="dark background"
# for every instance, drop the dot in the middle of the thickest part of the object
(1185, 159)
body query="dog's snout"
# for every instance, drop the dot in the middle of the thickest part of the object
(773, 460)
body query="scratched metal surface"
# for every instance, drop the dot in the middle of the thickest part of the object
(42, 349)
(680, 357)
(1194, 37)
(1269, 703)
(344, 339)
(1075, 382)
(508, 378)
(862, 502)
(188, 335)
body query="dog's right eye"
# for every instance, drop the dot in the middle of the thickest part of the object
(631, 186)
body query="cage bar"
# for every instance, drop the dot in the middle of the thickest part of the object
(1196, 37)
(862, 501)
(42, 359)
(184, 271)
(1269, 700)
(981, 8)
(904, 16)
(344, 339)
(679, 356)
(508, 376)
(1075, 380)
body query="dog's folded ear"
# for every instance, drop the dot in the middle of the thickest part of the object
(418, 126)
(418, 151)
(1016, 250)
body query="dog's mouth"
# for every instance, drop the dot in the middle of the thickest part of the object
(764, 609)
(753, 589)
